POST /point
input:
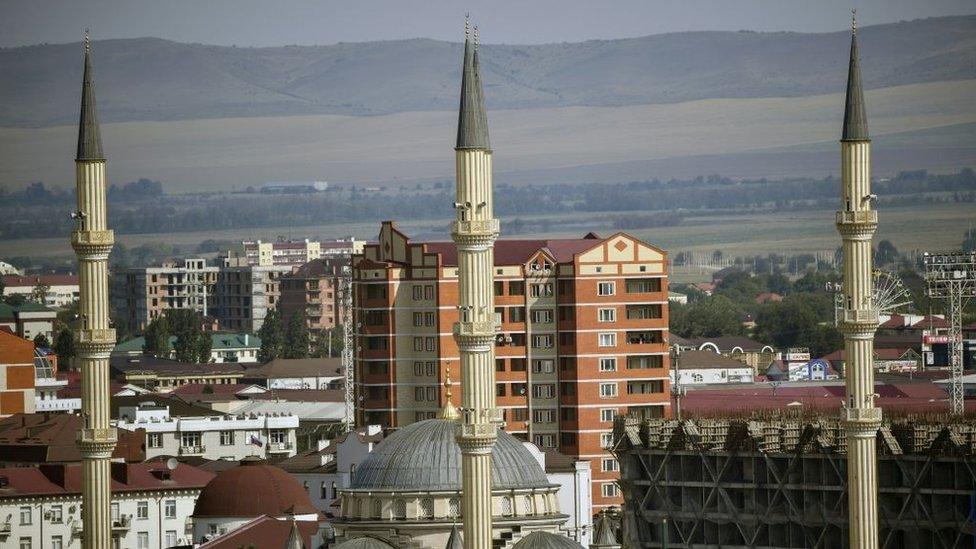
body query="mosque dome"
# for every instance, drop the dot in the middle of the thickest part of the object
(364, 543)
(546, 540)
(253, 489)
(425, 456)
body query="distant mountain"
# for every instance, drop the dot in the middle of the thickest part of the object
(154, 79)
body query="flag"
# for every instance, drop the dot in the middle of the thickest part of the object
(255, 440)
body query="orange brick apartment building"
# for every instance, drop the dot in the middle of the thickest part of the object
(583, 337)
(16, 374)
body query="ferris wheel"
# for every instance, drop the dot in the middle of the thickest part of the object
(890, 294)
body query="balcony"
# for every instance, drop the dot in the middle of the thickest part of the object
(280, 447)
(121, 524)
(192, 450)
(58, 405)
(5, 529)
(644, 337)
(865, 216)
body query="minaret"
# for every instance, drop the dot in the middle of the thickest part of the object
(92, 242)
(474, 231)
(856, 224)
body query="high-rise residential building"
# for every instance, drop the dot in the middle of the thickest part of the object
(16, 374)
(245, 293)
(293, 253)
(312, 291)
(583, 337)
(149, 292)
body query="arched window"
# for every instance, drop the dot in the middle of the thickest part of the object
(506, 506)
(454, 507)
(426, 508)
(400, 509)
(377, 509)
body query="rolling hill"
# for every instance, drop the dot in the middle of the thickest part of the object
(154, 79)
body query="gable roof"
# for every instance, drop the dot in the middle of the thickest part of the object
(65, 479)
(264, 531)
(703, 360)
(297, 367)
(518, 252)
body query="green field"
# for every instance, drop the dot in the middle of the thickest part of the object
(927, 227)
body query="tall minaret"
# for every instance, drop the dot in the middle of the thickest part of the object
(92, 242)
(856, 224)
(474, 231)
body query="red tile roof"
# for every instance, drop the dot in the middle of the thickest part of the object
(517, 252)
(263, 531)
(59, 479)
(931, 322)
(885, 353)
(12, 281)
(50, 438)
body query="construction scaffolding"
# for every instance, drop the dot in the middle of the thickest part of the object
(348, 367)
(780, 481)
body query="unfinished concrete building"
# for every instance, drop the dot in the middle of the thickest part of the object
(781, 481)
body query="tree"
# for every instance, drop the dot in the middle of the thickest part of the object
(714, 316)
(64, 345)
(886, 253)
(39, 293)
(272, 337)
(41, 340)
(795, 322)
(296, 337)
(192, 344)
(156, 337)
(204, 348)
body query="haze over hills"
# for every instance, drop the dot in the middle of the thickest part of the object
(741, 104)
(154, 79)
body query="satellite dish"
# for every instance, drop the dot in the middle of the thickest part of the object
(171, 464)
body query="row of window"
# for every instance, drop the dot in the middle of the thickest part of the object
(548, 390)
(57, 542)
(193, 439)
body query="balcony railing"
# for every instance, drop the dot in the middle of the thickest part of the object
(278, 447)
(192, 450)
(122, 523)
(865, 216)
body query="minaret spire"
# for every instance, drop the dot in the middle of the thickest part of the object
(449, 411)
(472, 120)
(89, 134)
(95, 338)
(855, 114)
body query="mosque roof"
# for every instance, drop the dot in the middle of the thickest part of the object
(425, 456)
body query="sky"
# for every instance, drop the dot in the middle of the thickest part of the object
(308, 22)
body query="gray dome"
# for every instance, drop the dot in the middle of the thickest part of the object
(545, 540)
(364, 543)
(424, 456)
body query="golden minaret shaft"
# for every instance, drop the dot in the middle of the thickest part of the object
(92, 242)
(856, 224)
(475, 230)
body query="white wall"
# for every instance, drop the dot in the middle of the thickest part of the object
(706, 376)
(42, 531)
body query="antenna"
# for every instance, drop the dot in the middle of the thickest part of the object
(87, 41)
(854, 20)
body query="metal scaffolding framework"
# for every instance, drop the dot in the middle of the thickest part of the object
(782, 482)
(348, 368)
(951, 276)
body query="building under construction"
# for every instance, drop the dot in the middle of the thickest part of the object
(781, 481)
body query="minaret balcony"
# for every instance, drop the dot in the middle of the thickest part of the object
(859, 316)
(862, 415)
(93, 242)
(484, 228)
(477, 328)
(863, 217)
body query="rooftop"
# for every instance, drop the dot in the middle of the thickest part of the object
(297, 367)
(264, 531)
(218, 341)
(65, 479)
(50, 438)
(20, 281)
(701, 360)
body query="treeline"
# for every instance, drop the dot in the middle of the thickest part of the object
(137, 207)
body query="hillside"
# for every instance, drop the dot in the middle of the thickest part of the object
(153, 79)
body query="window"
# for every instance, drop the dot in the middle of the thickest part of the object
(190, 440)
(643, 285)
(500, 389)
(418, 319)
(418, 293)
(609, 465)
(609, 490)
(607, 315)
(516, 287)
(526, 505)
(142, 540)
(568, 388)
(608, 339)
(643, 312)
(429, 292)
(518, 364)
(418, 369)
(606, 440)
(428, 344)
(606, 288)
(607, 414)
(542, 316)
(543, 341)
(376, 510)
(546, 390)
(545, 441)
(543, 366)
(608, 364)
(541, 290)
(499, 364)
(227, 438)
(520, 414)
(499, 287)
(516, 314)
(170, 538)
(278, 436)
(57, 514)
(26, 516)
(544, 416)
(154, 440)
(608, 390)
(430, 369)
(323, 491)
(454, 507)
(568, 414)
(567, 338)
(169, 508)
(565, 287)
(57, 542)
(644, 362)
(25, 543)
(418, 344)
(426, 508)
(400, 509)
(428, 319)
(645, 387)
(142, 510)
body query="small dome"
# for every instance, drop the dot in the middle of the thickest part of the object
(546, 540)
(425, 456)
(253, 489)
(364, 543)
